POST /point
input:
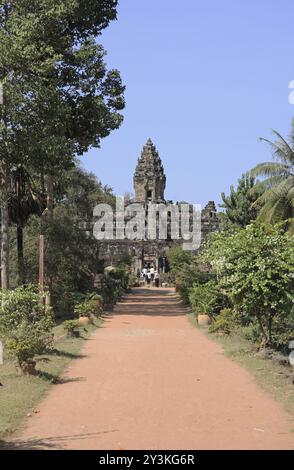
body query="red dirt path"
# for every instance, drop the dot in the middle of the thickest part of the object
(150, 380)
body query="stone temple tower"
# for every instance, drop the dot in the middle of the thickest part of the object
(149, 177)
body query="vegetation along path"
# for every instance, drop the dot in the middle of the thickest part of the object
(148, 379)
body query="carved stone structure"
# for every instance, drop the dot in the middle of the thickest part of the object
(149, 186)
(149, 177)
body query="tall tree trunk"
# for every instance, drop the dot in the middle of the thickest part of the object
(4, 191)
(42, 182)
(264, 336)
(20, 255)
(4, 229)
(50, 196)
(270, 328)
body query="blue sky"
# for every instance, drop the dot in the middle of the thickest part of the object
(205, 79)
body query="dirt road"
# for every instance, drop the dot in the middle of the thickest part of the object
(150, 380)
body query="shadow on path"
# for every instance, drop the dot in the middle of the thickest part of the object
(151, 302)
(52, 442)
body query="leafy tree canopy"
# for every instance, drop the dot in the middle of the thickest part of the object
(238, 204)
(255, 266)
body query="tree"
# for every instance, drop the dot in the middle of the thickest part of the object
(255, 266)
(238, 204)
(79, 192)
(59, 99)
(70, 249)
(277, 187)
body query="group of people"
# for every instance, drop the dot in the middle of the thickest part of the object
(150, 276)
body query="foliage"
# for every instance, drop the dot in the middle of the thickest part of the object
(108, 290)
(71, 326)
(115, 283)
(94, 296)
(185, 270)
(25, 323)
(225, 322)
(178, 258)
(56, 83)
(168, 278)
(187, 277)
(238, 204)
(277, 185)
(71, 251)
(59, 97)
(79, 192)
(283, 331)
(70, 255)
(255, 266)
(251, 332)
(86, 308)
(207, 299)
(133, 281)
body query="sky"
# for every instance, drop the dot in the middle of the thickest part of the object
(204, 80)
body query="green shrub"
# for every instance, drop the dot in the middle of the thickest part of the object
(251, 332)
(87, 308)
(168, 278)
(283, 331)
(178, 258)
(111, 287)
(207, 299)
(133, 281)
(25, 323)
(94, 296)
(226, 321)
(71, 327)
(189, 276)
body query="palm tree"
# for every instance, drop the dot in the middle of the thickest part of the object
(277, 187)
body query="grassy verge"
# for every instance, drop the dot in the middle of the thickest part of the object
(272, 377)
(19, 395)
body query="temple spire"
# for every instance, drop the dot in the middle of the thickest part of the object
(149, 177)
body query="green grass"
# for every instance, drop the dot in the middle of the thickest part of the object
(271, 377)
(20, 394)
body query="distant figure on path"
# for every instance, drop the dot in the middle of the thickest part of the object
(152, 271)
(156, 279)
(145, 271)
(148, 278)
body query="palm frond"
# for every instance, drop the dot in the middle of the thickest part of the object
(281, 150)
(261, 186)
(288, 149)
(277, 203)
(270, 169)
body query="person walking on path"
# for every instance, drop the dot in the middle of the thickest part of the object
(148, 278)
(156, 279)
(152, 272)
(144, 272)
